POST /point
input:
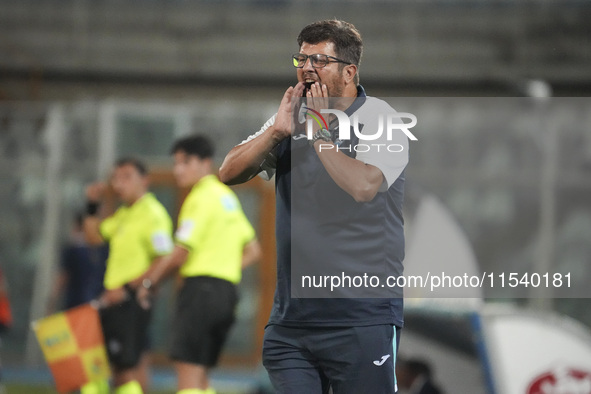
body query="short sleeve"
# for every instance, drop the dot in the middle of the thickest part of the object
(192, 222)
(109, 225)
(269, 164)
(389, 155)
(247, 231)
(161, 237)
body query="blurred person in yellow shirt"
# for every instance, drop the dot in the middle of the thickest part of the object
(139, 234)
(214, 241)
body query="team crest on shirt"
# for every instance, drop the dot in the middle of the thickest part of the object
(162, 242)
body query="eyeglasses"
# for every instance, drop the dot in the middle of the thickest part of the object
(318, 60)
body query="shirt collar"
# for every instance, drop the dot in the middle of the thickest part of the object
(144, 197)
(361, 97)
(207, 178)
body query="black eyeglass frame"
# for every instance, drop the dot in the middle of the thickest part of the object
(314, 64)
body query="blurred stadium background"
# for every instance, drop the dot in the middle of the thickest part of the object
(83, 82)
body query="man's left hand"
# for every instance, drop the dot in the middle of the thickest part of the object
(317, 100)
(143, 297)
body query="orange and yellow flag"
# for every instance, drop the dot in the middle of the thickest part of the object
(74, 347)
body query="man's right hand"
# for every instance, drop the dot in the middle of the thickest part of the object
(111, 297)
(244, 161)
(92, 219)
(95, 191)
(284, 121)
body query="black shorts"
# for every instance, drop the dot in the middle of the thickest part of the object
(125, 327)
(349, 360)
(204, 314)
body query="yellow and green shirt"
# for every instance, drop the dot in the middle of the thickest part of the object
(213, 227)
(137, 234)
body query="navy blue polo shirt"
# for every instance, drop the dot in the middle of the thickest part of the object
(347, 236)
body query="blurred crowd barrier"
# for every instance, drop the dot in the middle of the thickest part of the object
(247, 41)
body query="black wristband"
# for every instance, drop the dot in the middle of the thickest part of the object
(92, 208)
(129, 290)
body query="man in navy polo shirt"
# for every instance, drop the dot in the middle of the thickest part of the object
(339, 215)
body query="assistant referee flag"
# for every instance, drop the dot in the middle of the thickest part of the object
(74, 347)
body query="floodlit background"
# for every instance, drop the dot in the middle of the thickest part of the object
(84, 82)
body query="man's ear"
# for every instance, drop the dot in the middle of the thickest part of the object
(349, 72)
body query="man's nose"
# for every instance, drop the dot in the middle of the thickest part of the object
(308, 65)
